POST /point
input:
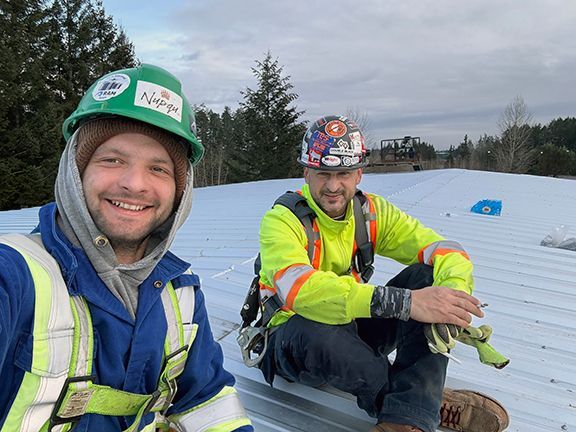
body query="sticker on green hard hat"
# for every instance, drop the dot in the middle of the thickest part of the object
(158, 98)
(110, 86)
(145, 93)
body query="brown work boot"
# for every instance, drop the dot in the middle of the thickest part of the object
(392, 427)
(470, 411)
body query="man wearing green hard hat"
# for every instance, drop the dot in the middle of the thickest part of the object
(105, 329)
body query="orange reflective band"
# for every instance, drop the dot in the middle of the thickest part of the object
(441, 252)
(373, 228)
(296, 288)
(264, 287)
(317, 246)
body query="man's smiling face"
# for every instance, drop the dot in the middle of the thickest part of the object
(129, 188)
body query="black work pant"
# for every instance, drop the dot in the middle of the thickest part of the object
(353, 358)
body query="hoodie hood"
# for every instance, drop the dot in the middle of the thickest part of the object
(75, 221)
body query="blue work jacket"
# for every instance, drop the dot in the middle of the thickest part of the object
(128, 354)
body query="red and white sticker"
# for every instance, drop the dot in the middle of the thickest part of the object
(331, 161)
(314, 155)
(335, 128)
(356, 138)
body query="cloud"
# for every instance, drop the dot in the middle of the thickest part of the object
(442, 68)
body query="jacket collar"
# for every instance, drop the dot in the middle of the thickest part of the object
(337, 226)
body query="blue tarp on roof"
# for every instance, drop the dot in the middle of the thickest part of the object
(487, 207)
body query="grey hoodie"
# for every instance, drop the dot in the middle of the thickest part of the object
(74, 219)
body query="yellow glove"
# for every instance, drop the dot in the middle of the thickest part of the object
(478, 337)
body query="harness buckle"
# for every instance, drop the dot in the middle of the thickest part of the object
(171, 382)
(253, 341)
(363, 261)
(155, 396)
(76, 405)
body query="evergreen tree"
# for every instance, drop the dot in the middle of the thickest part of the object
(50, 52)
(26, 113)
(483, 153)
(271, 131)
(561, 132)
(215, 132)
(553, 160)
(463, 152)
(88, 46)
(425, 151)
(450, 158)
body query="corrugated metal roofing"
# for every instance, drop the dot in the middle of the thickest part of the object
(531, 290)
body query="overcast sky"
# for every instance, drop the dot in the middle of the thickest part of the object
(437, 69)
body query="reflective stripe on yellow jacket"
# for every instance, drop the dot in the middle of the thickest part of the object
(329, 294)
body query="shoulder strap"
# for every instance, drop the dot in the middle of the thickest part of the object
(297, 204)
(363, 259)
(53, 337)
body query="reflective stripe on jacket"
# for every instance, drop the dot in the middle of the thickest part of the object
(326, 292)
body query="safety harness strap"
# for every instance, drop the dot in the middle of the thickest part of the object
(361, 261)
(82, 396)
(52, 338)
(363, 258)
(297, 204)
(63, 347)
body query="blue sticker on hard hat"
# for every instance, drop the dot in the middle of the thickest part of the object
(110, 86)
(320, 142)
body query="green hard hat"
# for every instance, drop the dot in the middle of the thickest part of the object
(146, 93)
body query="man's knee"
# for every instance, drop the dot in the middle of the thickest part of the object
(317, 337)
(414, 277)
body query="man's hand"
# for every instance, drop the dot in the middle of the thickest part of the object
(444, 305)
(441, 337)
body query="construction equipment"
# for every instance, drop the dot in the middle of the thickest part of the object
(397, 152)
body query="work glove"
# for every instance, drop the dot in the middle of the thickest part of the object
(478, 337)
(441, 337)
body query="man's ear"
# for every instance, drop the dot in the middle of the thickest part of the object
(306, 171)
(359, 179)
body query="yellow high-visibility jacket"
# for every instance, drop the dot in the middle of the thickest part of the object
(325, 290)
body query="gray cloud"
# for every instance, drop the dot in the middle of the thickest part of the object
(439, 69)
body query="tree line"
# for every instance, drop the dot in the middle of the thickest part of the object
(52, 51)
(259, 140)
(521, 147)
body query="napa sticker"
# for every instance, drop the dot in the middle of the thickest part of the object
(158, 98)
(110, 86)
